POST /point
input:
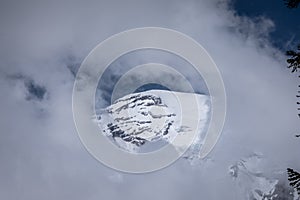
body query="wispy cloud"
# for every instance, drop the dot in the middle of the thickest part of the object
(41, 155)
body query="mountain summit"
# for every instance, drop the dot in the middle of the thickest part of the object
(149, 119)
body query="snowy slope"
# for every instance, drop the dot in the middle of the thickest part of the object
(138, 121)
(143, 122)
(253, 185)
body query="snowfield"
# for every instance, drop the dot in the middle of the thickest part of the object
(146, 121)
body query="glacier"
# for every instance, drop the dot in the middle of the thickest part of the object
(251, 180)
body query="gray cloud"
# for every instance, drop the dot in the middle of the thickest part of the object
(41, 154)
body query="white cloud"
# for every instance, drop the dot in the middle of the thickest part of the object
(41, 155)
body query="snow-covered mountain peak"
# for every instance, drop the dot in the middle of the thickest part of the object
(155, 117)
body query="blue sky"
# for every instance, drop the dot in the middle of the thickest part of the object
(286, 34)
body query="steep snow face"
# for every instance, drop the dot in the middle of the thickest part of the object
(143, 122)
(251, 181)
